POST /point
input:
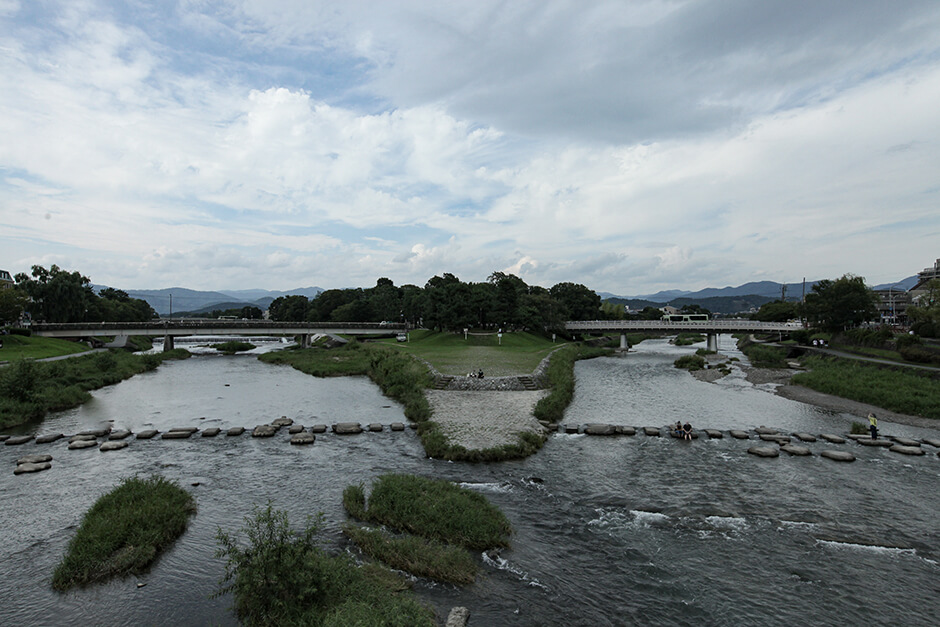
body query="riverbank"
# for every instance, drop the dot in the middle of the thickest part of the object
(481, 420)
(781, 378)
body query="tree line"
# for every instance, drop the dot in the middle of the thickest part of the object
(445, 303)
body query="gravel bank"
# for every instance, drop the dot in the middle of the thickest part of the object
(484, 419)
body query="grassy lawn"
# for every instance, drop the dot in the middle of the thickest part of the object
(22, 347)
(519, 353)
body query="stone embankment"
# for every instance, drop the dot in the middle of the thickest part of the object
(768, 436)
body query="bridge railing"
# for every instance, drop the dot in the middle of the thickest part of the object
(196, 323)
(655, 325)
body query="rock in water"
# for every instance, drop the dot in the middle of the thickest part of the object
(112, 446)
(18, 439)
(25, 468)
(764, 451)
(347, 428)
(295, 429)
(176, 435)
(714, 433)
(235, 431)
(264, 431)
(599, 429)
(805, 437)
(34, 459)
(832, 439)
(283, 421)
(146, 434)
(211, 432)
(458, 617)
(907, 450)
(304, 437)
(318, 429)
(397, 426)
(839, 456)
(49, 437)
(119, 435)
(654, 431)
(79, 444)
(793, 449)
(375, 427)
(739, 435)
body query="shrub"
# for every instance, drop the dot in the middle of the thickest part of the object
(18, 331)
(905, 340)
(18, 380)
(924, 328)
(858, 428)
(920, 354)
(690, 362)
(232, 347)
(765, 356)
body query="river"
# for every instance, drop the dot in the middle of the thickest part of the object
(608, 531)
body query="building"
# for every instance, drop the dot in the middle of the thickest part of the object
(892, 305)
(920, 288)
(5, 279)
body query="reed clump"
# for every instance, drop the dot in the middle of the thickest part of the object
(440, 524)
(233, 346)
(124, 531)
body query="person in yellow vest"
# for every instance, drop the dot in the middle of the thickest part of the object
(873, 426)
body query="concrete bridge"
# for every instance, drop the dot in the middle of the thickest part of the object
(169, 329)
(710, 328)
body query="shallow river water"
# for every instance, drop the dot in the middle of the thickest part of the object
(608, 531)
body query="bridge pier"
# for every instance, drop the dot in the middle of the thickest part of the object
(167, 342)
(623, 342)
(304, 340)
(711, 342)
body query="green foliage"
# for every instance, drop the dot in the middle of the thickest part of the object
(283, 577)
(687, 339)
(904, 390)
(858, 428)
(777, 311)
(905, 340)
(841, 304)
(233, 346)
(438, 510)
(124, 531)
(18, 381)
(690, 362)
(877, 337)
(920, 354)
(12, 304)
(704, 351)
(420, 557)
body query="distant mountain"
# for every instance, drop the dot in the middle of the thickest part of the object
(196, 300)
(715, 304)
(254, 295)
(903, 284)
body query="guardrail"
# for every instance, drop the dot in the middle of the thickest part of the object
(714, 326)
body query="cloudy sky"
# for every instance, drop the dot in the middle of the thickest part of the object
(631, 146)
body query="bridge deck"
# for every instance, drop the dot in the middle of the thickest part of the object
(704, 326)
(179, 328)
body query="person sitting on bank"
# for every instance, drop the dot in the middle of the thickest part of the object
(678, 429)
(687, 431)
(480, 374)
(873, 426)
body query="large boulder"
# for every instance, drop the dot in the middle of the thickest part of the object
(739, 435)
(80, 444)
(832, 439)
(304, 437)
(793, 449)
(764, 451)
(839, 456)
(347, 428)
(26, 468)
(805, 437)
(599, 429)
(48, 437)
(112, 446)
(146, 434)
(33, 459)
(18, 439)
(907, 450)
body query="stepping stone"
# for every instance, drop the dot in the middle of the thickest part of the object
(413, 426)
(146, 434)
(839, 456)
(793, 449)
(49, 437)
(98, 433)
(18, 439)
(80, 444)
(832, 439)
(740, 435)
(186, 429)
(778, 438)
(571, 428)
(762, 430)
(932, 442)
(176, 435)
(283, 421)
(235, 431)
(264, 431)
(119, 435)
(318, 429)
(858, 436)
(211, 432)
(599, 429)
(672, 433)
(628, 430)
(805, 437)
(375, 427)
(870, 442)
(4, 438)
(295, 429)
(112, 446)
(82, 437)
(34, 459)
(651, 431)
(25, 468)
(397, 426)
(714, 434)
(304, 437)
(907, 450)
(905, 441)
(764, 451)
(347, 428)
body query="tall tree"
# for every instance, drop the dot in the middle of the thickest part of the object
(57, 295)
(579, 302)
(13, 302)
(840, 304)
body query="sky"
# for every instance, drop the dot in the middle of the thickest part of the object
(630, 146)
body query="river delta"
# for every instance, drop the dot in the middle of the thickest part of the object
(608, 531)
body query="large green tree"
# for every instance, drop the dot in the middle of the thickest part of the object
(777, 311)
(841, 304)
(12, 304)
(57, 295)
(578, 302)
